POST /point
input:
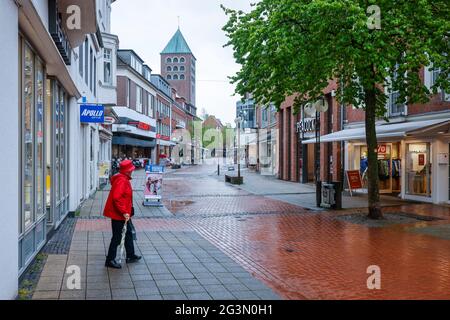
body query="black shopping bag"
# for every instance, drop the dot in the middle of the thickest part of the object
(133, 230)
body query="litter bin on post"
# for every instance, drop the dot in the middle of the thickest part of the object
(331, 195)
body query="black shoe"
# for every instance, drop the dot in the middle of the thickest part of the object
(134, 259)
(113, 264)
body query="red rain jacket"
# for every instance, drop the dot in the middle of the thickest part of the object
(120, 199)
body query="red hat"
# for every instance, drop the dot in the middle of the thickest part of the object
(127, 166)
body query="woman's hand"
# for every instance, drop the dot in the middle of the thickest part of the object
(127, 217)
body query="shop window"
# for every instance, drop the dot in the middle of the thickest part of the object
(48, 148)
(107, 66)
(86, 61)
(80, 60)
(28, 136)
(138, 99)
(39, 139)
(419, 169)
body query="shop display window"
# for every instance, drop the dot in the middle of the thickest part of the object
(419, 169)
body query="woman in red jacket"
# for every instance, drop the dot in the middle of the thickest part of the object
(119, 208)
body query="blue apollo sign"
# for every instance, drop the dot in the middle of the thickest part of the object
(92, 113)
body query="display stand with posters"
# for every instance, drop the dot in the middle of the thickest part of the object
(153, 186)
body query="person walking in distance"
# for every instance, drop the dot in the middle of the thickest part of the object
(119, 208)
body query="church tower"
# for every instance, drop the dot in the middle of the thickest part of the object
(178, 67)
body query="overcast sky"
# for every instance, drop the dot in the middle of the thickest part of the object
(147, 26)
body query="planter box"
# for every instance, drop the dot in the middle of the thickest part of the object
(234, 179)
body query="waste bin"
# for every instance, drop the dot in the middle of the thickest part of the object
(331, 195)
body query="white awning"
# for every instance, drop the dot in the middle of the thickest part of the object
(125, 112)
(165, 143)
(385, 131)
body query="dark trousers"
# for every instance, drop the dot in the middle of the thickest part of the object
(117, 227)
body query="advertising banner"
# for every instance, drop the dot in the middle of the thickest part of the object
(103, 170)
(153, 185)
(354, 180)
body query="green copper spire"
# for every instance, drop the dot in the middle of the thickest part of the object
(177, 44)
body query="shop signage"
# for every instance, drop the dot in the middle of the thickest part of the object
(92, 113)
(140, 125)
(354, 180)
(307, 125)
(160, 136)
(109, 120)
(382, 149)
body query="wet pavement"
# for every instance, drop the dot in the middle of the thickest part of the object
(245, 243)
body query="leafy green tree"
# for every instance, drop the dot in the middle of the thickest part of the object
(288, 47)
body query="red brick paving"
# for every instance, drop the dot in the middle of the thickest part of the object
(330, 257)
(230, 205)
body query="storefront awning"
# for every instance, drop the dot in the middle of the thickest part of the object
(165, 143)
(129, 141)
(385, 131)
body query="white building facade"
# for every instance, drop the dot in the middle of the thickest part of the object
(49, 67)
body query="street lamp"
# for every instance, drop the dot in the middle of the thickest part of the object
(238, 121)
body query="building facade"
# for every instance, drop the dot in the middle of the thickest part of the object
(413, 151)
(52, 156)
(135, 133)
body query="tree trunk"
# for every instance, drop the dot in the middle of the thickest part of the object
(372, 154)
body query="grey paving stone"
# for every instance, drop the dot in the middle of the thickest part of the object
(222, 295)
(228, 280)
(198, 296)
(214, 287)
(183, 275)
(141, 277)
(122, 284)
(148, 291)
(95, 279)
(98, 285)
(209, 281)
(245, 295)
(98, 294)
(123, 294)
(236, 287)
(192, 288)
(144, 284)
(267, 295)
(174, 297)
(163, 276)
(46, 295)
(166, 282)
(72, 295)
(189, 282)
(150, 297)
(165, 290)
